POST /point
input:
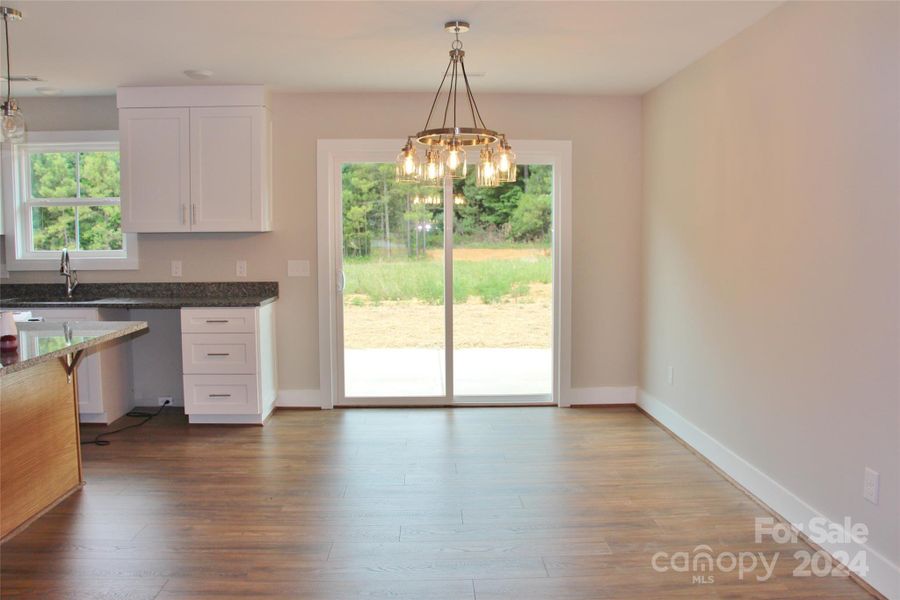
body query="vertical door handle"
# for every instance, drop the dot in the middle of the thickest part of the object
(341, 281)
(193, 214)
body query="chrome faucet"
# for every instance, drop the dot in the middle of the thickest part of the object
(65, 269)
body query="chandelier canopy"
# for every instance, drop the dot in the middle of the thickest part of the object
(445, 145)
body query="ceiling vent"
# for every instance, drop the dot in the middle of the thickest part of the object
(23, 78)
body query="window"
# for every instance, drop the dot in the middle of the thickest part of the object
(66, 194)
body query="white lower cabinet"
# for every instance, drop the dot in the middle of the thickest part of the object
(228, 358)
(104, 374)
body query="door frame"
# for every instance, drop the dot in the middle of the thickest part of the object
(334, 152)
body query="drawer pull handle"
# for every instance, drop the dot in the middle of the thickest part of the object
(220, 395)
(218, 354)
(217, 320)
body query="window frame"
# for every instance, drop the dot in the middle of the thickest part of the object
(18, 214)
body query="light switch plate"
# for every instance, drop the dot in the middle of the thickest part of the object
(176, 268)
(298, 268)
(241, 268)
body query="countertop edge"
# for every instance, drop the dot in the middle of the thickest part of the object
(160, 303)
(132, 327)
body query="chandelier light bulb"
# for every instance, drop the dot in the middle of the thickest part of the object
(434, 167)
(456, 160)
(453, 159)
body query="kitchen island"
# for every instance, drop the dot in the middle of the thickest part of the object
(40, 451)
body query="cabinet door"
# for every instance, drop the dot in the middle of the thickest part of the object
(227, 151)
(155, 164)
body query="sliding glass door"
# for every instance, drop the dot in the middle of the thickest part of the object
(502, 288)
(393, 286)
(423, 270)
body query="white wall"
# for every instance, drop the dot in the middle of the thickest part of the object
(771, 253)
(606, 137)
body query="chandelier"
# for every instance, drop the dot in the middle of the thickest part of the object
(445, 146)
(12, 123)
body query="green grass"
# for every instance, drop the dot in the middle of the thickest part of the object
(423, 280)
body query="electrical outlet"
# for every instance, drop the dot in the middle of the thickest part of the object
(163, 400)
(870, 486)
(241, 268)
(670, 375)
(176, 268)
(298, 268)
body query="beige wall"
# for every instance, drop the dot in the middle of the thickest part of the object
(606, 138)
(771, 252)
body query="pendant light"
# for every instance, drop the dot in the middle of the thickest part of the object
(446, 145)
(407, 169)
(506, 162)
(12, 123)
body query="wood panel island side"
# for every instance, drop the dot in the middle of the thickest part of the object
(40, 448)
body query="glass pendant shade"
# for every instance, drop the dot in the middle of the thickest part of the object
(506, 162)
(12, 124)
(456, 161)
(407, 166)
(486, 175)
(433, 169)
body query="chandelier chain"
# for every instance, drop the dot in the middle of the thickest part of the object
(474, 104)
(8, 71)
(449, 94)
(437, 95)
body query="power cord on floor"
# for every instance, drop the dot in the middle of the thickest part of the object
(147, 416)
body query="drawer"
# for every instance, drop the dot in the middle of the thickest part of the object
(206, 353)
(221, 395)
(218, 320)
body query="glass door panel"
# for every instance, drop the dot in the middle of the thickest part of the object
(502, 287)
(393, 311)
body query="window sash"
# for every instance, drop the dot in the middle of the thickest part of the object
(25, 201)
(53, 148)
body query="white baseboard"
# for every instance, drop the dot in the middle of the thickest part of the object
(883, 575)
(226, 419)
(299, 399)
(626, 394)
(309, 398)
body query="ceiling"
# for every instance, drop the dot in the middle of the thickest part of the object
(89, 48)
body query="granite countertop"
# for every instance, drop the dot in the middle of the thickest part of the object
(141, 295)
(40, 342)
(152, 302)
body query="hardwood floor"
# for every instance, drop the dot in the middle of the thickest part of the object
(417, 504)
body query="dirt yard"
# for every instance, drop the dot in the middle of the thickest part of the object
(482, 254)
(409, 324)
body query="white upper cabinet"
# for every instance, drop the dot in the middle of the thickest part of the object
(195, 159)
(227, 179)
(155, 166)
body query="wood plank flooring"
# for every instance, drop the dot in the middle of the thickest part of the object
(417, 504)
